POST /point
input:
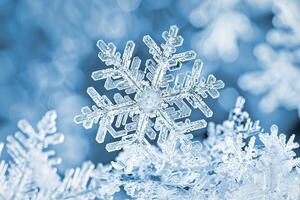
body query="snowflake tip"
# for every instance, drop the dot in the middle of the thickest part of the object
(274, 129)
(48, 123)
(95, 96)
(171, 36)
(240, 103)
(108, 53)
(25, 127)
(197, 68)
(106, 49)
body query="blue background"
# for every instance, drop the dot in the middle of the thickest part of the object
(48, 52)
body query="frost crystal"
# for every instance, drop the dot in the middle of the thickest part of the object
(237, 161)
(159, 103)
(279, 81)
(33, 164)
(229, 165)
(32, 173)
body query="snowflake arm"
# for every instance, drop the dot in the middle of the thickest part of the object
(3, 170)
(166, 59)
(242, 123)
(75, 184)
(194, 88)
(127, 76)
(276, 142)
(106, 112)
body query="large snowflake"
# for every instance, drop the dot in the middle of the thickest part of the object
(159, 103)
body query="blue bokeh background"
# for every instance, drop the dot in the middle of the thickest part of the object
(48, 52)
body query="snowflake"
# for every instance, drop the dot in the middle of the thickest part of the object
(223, 26)
(279, 79)
(229, 165)
(155, 98)
(32, 174)
(31, 159)
(246, 170)
(271, 170)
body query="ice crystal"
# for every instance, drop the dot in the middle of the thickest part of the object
(253, 170)
(230, 164)
(222, 25)
(279, 80)
(160, 97)
(237, 161)
(32, 174)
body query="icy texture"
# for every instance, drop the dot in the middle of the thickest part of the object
(223, 24)
(247, 169)
(237, 161)
(230, 164)
(162, 102)
(33, 164)
(32, 173)
(279, 80)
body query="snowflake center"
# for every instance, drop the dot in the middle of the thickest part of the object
(149, 100)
